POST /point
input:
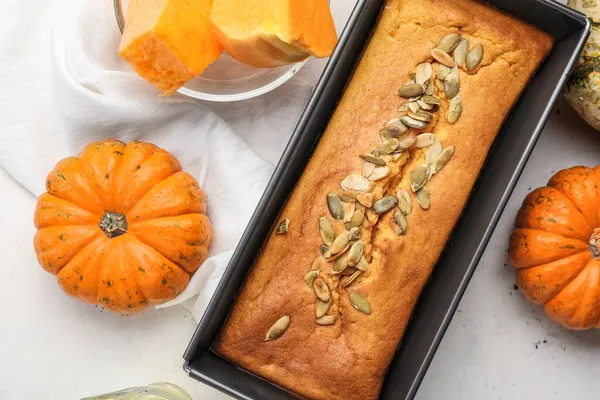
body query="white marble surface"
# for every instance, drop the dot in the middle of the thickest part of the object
(497, 347)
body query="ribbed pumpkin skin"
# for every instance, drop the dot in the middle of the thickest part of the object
(167, 232)
(555, 247)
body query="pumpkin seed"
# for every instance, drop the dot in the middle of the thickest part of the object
(442, 57)
(354, 233)
(326, 320)
(349, 271)
(451, 86)
(362, 265)
(360, 303)
(410, 90)
(340, 264)
(384, 204)
(356, 182)
(401, 223)
(443, 72)
(429, 90)
(357, 219)
(404, 201)
(423, 198)
(413, 107)
(403, 107)
(443, 159)
(347, 196)
(424, 140)
(324, 250)
(340, 243)
(386, 148)
(368, 169)
(423, 73)
(431, 100)
(413, 123)
(439, 83)
(455, 109)
(396, 124)
(449, 43)
(321, 289)
(421, 115)
(348, 211)
(322, 307)
(419, 177)
(432, 153)
(379, 173)
(355, 253)
(366, 199)
(326, 231)
(388, 132)
(474, 57)
(460, 53)
(335, 206)
(310, 277)
(406, 143)
(380, 162)
(351, 278)
(283, 227)
(424, 105)
(278, 328)
(316, 265)
(372, 217)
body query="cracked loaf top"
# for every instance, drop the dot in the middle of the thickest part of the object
(326, 304)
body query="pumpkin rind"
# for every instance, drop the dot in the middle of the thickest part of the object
(68, 181)
(79, 278)
(51, 210)
(577, 305)
(177, 195)
(143, 166)
(542, 282)
(581, 185)
(164, 236)
(548, 209)
(182, 239)
(530, 247)
(554, 247)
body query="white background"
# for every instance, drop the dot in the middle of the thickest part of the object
(497, 347)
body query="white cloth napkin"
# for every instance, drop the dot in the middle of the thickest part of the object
(64, 86)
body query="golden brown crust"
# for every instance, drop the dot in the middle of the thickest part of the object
(349, 359)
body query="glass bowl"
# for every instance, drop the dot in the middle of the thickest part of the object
(226, 79)
(155, 391)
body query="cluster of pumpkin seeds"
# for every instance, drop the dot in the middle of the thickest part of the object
(451, 53)
(352, 205)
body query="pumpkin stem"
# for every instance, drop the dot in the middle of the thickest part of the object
(595, 244)
(113, 224)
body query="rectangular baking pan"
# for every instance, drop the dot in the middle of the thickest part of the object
(453, 271)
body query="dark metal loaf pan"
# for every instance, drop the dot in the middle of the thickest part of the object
(449, 280)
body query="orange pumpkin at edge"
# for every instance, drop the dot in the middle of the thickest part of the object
(555, 247)
(122, 225)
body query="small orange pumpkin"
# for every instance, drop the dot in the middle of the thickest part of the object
(556, 247)
(122, 225)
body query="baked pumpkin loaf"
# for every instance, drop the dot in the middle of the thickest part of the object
(325, 306)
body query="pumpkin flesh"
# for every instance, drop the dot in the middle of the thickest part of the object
(555, 247)
(272, 33)
(122, 226)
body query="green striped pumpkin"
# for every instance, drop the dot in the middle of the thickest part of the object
(583, 88)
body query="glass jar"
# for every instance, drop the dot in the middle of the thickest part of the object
(155, 391)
